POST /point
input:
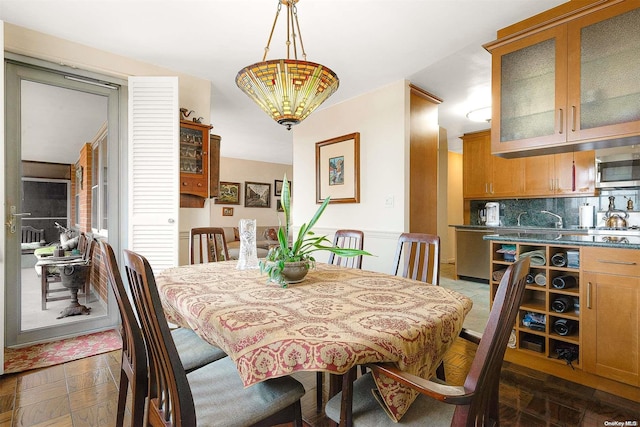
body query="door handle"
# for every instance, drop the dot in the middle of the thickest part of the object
(561, 121)
(13, 214)
(589, 295)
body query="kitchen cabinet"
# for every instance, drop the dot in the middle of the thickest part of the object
(572, 83)
(542, 330)
(611, 314)
(486, 176)
(553, 174)
(194, 163)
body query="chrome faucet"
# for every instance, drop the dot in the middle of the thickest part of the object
(519, 215)
(558, 222)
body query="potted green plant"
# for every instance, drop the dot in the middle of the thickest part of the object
(289, 262)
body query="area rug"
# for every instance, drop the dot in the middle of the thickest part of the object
(57, 352)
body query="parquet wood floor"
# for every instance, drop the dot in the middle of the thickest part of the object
(84, 393)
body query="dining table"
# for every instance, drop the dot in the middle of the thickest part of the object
(334, 320)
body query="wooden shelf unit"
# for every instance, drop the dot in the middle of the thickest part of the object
(538, 300)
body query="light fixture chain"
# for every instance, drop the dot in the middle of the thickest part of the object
(273, 27)
(295, 14)
(289, 21)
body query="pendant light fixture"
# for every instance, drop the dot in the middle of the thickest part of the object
(288, 90)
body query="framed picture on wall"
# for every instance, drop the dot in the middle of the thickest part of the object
(229, 193)
(277, 187)
(338, 169)
(279, 205)
(257, 195)
(227, 211)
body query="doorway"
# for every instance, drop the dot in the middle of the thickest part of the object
(61, 153)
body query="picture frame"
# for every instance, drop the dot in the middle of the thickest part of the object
(338, 169)
(277, 187)
(257, 195)
(279, 205)
(227, 211)
(228, 193)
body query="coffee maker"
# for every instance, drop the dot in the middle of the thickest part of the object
(493, 214)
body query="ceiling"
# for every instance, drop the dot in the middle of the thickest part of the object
(435, 44)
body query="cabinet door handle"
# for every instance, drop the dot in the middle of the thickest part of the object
(561, 121)
(589, 295)
(573, 118)
(610, 261)
(551, 184)
(491, 187)
(486, 188)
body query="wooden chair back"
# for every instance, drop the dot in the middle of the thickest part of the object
(352, 239)
(208, 244)
(483, 379)
(133, 369)
(421, 260)
(32, 235)
(170, 398)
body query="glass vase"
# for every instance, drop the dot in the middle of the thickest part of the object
(248, 256)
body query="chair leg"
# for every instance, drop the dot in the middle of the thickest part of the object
(319, 385)
(87, 292)
(43, 284)
(440, 372)
(122, 397)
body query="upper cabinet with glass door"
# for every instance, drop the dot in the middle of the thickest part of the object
(194, 159)
(570, 85)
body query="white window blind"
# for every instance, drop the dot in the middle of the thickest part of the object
(154, 198)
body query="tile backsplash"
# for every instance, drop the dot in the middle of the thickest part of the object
(567, 207)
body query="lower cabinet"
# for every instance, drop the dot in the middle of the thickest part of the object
(611, 314)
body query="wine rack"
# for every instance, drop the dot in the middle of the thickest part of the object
(548, 322)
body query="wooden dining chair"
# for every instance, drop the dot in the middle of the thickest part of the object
(421, 260)
(352, 239)
(208, 244)
(211, 394)
(473, 404)
(133, 367)
(193, 351)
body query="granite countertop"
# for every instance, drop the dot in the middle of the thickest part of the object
(521, 229)
(626, 242)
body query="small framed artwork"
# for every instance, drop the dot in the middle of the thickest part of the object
(257, 195)
(338, 169)
(229, 193)
(277, 187)
(279, 205)
(226, 211)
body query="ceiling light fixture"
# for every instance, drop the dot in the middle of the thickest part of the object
(480, 115)
(288, 90)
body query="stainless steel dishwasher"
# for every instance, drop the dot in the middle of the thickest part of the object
(473, 253)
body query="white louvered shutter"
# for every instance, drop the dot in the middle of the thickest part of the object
(154, 176)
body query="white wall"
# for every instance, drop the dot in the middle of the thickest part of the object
(380, 117)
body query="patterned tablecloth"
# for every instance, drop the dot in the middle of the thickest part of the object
(335, 319)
